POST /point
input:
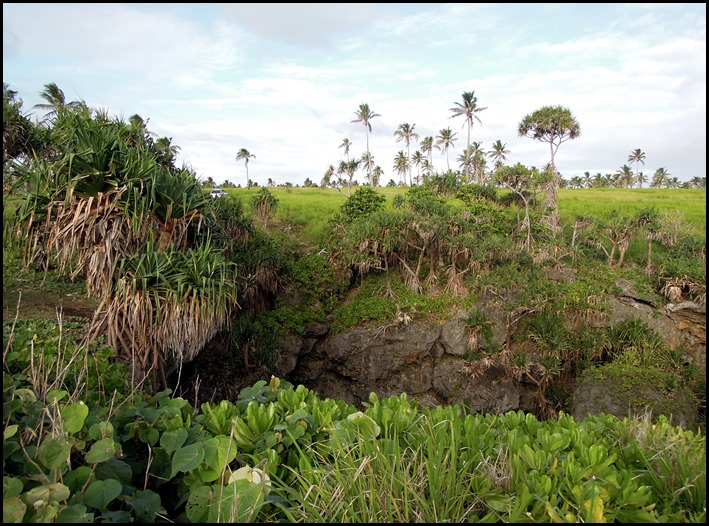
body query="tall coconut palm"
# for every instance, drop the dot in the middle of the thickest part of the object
(377, 173)
(346, 145)
(444, 140)
(244, 154)
(477, 161)
(56, 103)
(405, 132)
(468, 109)
(625, 176)
(637, 156)
(427, 149)
(364, 115)
(418, 159)
(498, 153)
(641, 179)
(367, 160)
(661, 178)
(401, 165)
(166, 151)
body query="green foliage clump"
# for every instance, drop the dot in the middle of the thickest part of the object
(472, 193)
(280, 453)
(364, 201)
(371, 305)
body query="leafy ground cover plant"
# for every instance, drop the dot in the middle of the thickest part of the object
(281, 453)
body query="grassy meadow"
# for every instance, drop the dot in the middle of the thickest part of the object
(307, 210)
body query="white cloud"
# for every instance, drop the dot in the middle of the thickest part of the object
(285, 80)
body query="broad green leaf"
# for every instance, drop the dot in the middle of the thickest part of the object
(76, 513)
(101, 430)
(13, 510)
(77, 478)
(101, 451)
(171, 441)
(187, 458)
(118, 516)
(74, 416)
(55, 492)
(236, 503)
(146, 504)
(11, 487)
(54, 452)
(56, 395)
(594, 510)
(44, 512)
(150, 436)
(10, 431)
(115, 469)
(101, 492)
(197, 507)
(219, 451)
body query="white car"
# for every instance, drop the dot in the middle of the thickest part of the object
(218, 193)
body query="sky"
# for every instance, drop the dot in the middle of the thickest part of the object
(285, 81)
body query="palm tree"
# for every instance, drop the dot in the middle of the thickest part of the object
(377, 173)
(637, 156)
(444, 140)
(468, 108)
(465, 159)
(406, 133)
(427, 148)
(660, 179)
(477, 161)
(418, 159)
(327, 177)
(244, 154)
(348, 168)
(56, 102)
(498, 153)
(625, 176)
(166, 151)
(367, 160)
(346, 144)
(401, 165)
(364, 115)
(641, 179)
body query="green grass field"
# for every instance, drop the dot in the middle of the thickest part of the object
(309, 209)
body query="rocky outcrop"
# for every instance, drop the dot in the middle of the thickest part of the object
(432, 362)
(633, 392)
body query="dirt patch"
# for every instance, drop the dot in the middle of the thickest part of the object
(28, 303)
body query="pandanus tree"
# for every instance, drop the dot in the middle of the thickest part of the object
(103, 207)
(523, 182)
(264, 205)
(554, 125)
